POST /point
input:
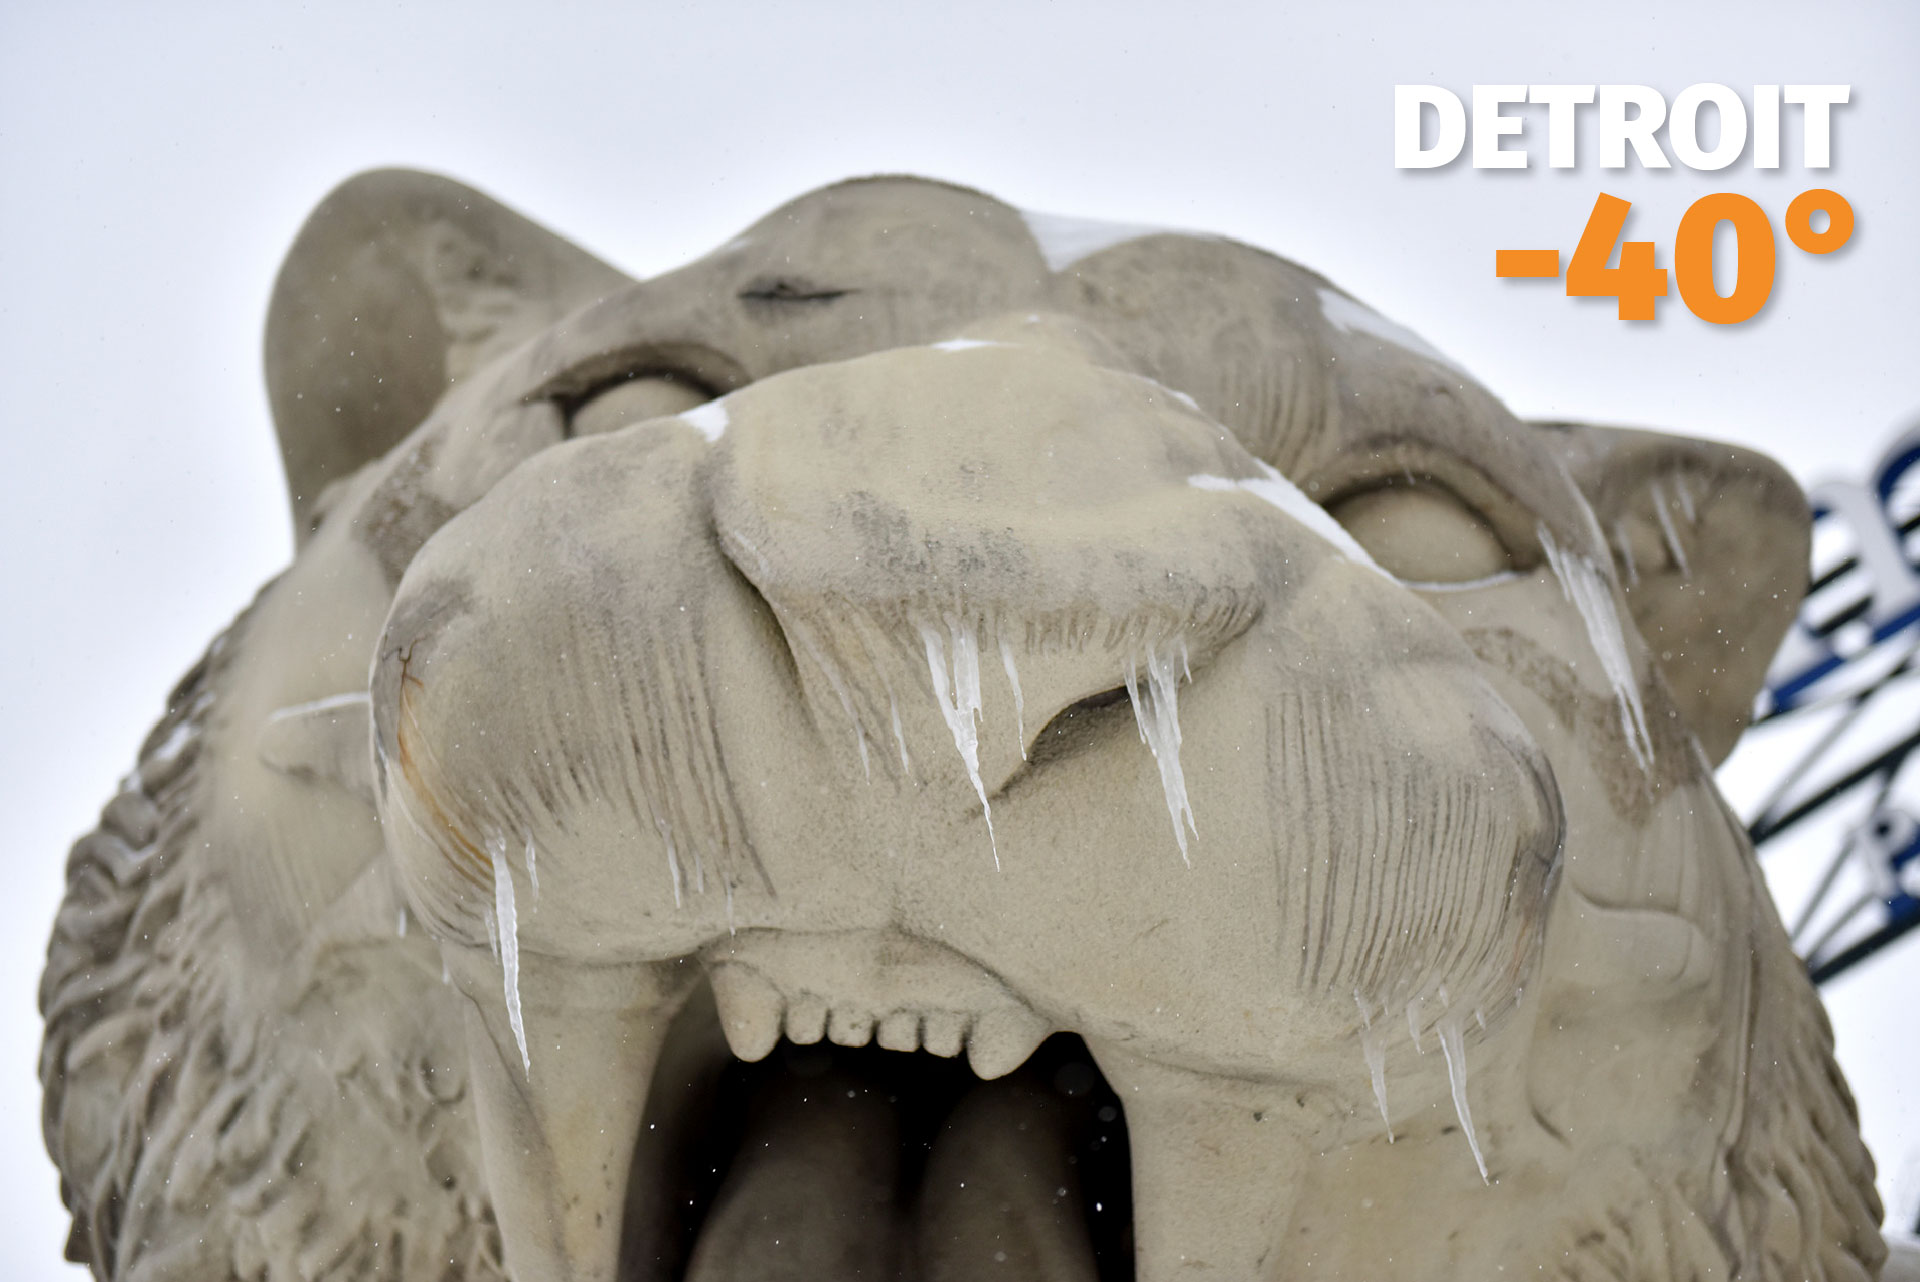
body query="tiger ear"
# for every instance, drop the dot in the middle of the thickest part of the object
(400, 284)
(1712, 543)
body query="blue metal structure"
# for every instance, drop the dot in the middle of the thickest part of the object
(1849, 670)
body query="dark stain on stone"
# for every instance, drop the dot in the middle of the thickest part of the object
(1592, 717)
(403, 512)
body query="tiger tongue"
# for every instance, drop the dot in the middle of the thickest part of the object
(817, 1190)
(1002, 1195)
(812, 1192)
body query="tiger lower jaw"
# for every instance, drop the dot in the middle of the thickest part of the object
(588, 1141)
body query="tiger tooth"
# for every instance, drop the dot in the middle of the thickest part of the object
(557, 1140)
(899, 1031)
(806, 1019)
(750, 1009)
(943, 1033)
(849, 1027)
(1002, 1039)
(1215, 1170)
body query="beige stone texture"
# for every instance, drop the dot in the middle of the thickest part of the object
(935, 742)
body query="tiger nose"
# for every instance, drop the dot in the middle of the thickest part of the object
(999, 529)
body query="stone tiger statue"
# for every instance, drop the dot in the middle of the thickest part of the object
(944, 742)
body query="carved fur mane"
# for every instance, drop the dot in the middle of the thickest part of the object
(203, 1135)
(1795, 1189)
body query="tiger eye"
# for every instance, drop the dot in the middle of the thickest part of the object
(1421, 533)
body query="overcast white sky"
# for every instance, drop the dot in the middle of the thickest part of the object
(156, 160)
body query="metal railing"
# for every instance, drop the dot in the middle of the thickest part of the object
(1849, 669)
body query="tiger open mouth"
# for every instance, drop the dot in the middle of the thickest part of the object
(826, 1162)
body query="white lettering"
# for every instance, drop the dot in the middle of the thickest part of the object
(1617, 129)
(1489, 126)
(1561, 100)
(1408, 101)
(1630, 116)
(1683, 126)
(1766, 126)
(1815, 101)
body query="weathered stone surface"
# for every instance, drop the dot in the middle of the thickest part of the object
(920, 630)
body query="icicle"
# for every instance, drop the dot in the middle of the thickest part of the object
(1413, 1024)
(1480, 1018)
(1456, 1053)
(1157, 714)
(1685, 492)
(400, 922)
(493, 935)
(673, 861)
(533, 870)
(446, 976)
(1373, 1049)
(1581, 584)
(966, 669)
(899, 735)
(509, 948)
(959, 700)
(1019, 704)
(1625, 546)
(1668, 534)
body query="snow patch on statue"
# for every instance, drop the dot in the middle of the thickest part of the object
(1350, 317)
(1276, 490)
(1065, 240)
(710, 420)
(966, 344)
